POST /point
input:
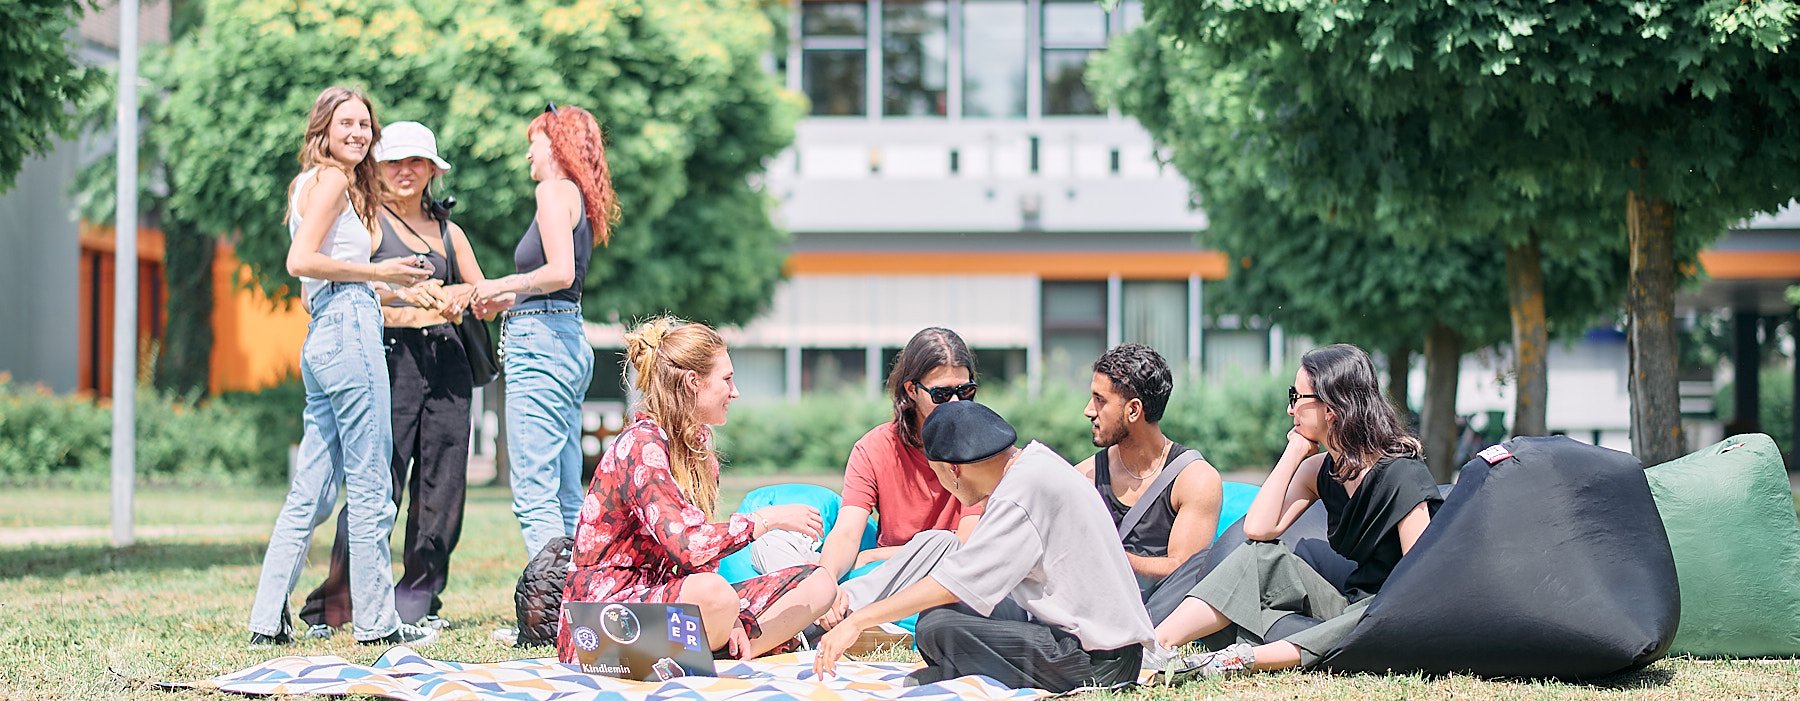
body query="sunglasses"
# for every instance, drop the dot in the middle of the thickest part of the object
(1294, 396)
(939, 395)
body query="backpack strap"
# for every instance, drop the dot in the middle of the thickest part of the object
(1164, 482)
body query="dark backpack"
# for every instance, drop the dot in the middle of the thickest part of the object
(538, 597)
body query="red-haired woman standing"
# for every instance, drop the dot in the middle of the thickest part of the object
(545, 357)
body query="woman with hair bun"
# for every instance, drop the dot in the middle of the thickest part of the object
(645, 531)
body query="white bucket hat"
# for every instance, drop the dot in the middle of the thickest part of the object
(402, 140)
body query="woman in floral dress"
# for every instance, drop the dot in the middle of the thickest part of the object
(646, 533)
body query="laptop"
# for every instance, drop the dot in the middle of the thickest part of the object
(642, 642)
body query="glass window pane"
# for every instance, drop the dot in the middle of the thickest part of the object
(994, 49)
(608, 382)
(1080, 23)
(1069, 357)
(1156, 315)
(1075, 304)
(832, 369)
(1133, 11)
(760, 373)
(1065, 92)
(1236, 352)
(834, 19)
(834, 81)
(999, 366)
(915, 40)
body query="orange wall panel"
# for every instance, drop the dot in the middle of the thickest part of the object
(256, 341)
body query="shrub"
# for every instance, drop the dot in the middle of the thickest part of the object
(1239, 423)
(60, 439)
(1775, 396)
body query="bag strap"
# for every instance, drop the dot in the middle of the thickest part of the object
(449, 253)
(1163, 483)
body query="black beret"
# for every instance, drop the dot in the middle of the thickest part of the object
(965, 432)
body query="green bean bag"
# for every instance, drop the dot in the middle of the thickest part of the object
(1730, 519)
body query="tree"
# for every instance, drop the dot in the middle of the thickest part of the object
(690, 115)
(1333, 283)
(1501, 120)
(43, 79)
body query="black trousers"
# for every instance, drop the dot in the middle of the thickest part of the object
(956, 641)
(429, 374)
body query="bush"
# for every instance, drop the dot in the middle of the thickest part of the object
(1238, 424)
(67, 440)
(1775, 395)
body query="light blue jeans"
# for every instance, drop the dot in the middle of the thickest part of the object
(548, 365)
(349, 437)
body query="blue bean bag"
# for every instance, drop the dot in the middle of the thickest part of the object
(737, 566)
(1234, 504)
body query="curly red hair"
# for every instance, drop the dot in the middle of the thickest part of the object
(580, 151)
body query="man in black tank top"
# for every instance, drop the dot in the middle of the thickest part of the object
(1130, 390)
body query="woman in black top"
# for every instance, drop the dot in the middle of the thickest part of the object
(544, 353)
(1378, 500)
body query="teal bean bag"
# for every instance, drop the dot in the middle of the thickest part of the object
(1234, 504)
(737, 566)
(1730, 519)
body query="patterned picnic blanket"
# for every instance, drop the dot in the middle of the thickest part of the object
(404, 675)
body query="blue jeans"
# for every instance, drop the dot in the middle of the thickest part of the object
(548, 365)
(349, 436)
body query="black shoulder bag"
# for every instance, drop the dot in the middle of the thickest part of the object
(477, 343)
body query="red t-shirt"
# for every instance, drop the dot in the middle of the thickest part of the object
(893, 479)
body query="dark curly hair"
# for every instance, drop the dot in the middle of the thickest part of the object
(1139, 372)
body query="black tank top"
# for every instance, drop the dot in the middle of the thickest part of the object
(392, 247)
(1150, 538)
(529, 256)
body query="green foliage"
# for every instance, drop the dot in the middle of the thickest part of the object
(1775, 397)
(678, 86)
(51, 439)
(42, 78)
(1239, 424)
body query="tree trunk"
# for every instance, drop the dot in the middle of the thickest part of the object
(1656, 435)
(1443, 368)
(1531, 336)
(184, 366)
(1399, 362)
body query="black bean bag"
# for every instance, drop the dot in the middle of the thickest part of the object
(1548, 562)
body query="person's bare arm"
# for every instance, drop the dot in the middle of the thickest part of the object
(1196, 496)
(839, 554)
(556, 217)
(924, 594)
(1286, 493)
(1413, 526)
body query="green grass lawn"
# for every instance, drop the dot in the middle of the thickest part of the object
(84, 620)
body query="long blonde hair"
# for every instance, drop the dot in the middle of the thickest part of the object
(366, 186)
(663, 351)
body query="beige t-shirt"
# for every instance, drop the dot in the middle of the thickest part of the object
(1047, 542)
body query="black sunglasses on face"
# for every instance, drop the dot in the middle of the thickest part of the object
(939, 395)
(1294, 396)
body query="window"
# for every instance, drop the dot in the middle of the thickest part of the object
(608, 382)
(1073, 31)
(1074, 322)
(828, 370)
(999, 366)
(1236, 352)
(761, 373)
(834, 57)
(1156, 315)
(993, 59)
(915, 50)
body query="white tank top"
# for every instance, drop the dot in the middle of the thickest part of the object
(348, 239)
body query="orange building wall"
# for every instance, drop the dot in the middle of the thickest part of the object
(256, 342)
(95, 300)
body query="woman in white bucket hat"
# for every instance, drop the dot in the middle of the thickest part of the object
(430, 379)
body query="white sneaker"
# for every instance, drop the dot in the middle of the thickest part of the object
(510, 636)
(406, 634)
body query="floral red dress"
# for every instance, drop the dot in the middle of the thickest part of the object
(639, 537)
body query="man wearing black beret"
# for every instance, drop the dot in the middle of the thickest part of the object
(990, 608)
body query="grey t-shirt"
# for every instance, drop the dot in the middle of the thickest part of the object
(1048, 543)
